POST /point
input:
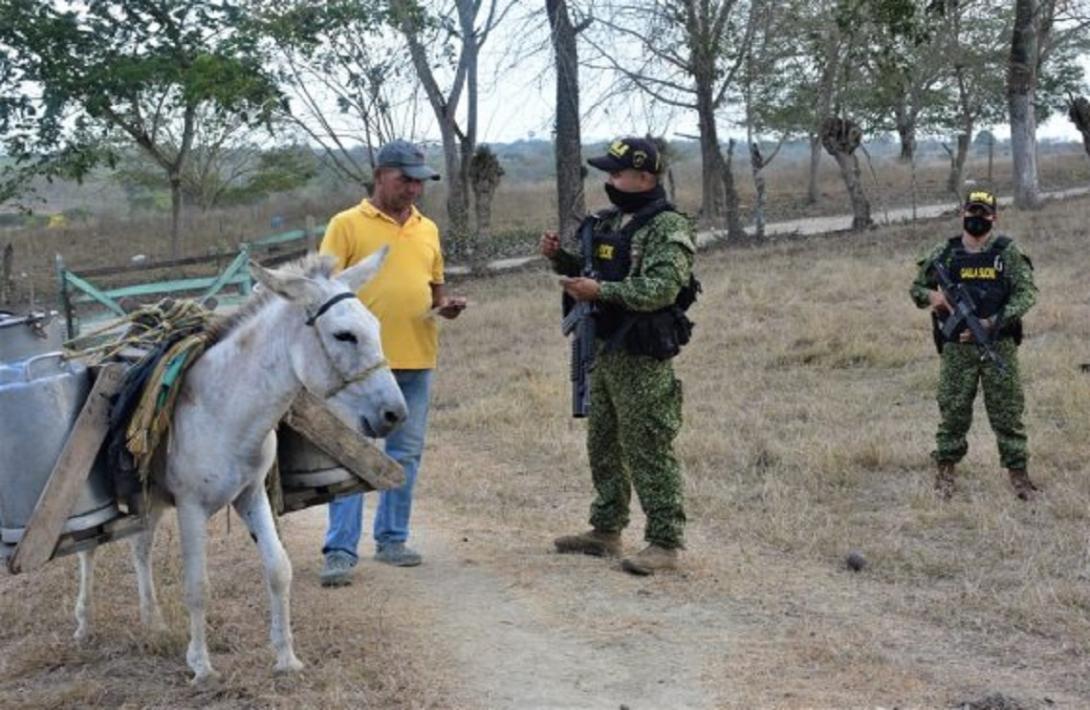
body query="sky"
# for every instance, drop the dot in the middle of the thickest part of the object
(513, 110)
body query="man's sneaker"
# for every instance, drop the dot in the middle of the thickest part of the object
(338, 569)
(1024, 488)
(650, 560)
(945, 487)
(398, 555)
(592, 542)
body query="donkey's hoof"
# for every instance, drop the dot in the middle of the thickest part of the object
(291, 665)
(206, 677)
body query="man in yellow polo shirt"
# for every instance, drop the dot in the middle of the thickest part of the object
(405, 296)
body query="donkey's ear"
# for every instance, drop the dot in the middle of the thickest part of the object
(292, 287)
(361, 273)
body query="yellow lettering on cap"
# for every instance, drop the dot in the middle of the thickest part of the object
(618, 149)
(605, 251)
(981, 196)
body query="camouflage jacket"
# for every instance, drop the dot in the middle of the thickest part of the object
(662, 260)
(1018, 271)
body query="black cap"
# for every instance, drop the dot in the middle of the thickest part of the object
(407, 158)
(631, 152)
(981, 199)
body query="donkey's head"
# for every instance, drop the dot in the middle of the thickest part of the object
(337, 353)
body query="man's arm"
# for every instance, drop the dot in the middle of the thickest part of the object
(563, 262)
(925, 285)
(1023, 290)
(566, 264)
(447, 306)
(667, 264)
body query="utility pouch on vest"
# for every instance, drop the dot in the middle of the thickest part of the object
(662, 333)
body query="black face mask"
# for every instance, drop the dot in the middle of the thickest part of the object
(977, 226)
(629, 202)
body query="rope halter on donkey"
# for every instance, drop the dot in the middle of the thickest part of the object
(345, 380)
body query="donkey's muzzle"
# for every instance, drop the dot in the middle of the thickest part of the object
(386, 420)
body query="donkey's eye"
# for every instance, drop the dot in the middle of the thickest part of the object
(345, 337)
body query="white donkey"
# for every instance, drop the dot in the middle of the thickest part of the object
(304, 329)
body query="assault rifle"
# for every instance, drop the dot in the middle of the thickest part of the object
(964, 312)
(579, 323)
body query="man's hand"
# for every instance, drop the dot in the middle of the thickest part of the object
(549, 245)
(967, 335)
(451, 307)
(939, 304)
(581, 288)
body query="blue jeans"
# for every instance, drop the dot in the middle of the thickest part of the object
(406, 446)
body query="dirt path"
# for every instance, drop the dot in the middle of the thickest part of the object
(525, 628)
(513, 640)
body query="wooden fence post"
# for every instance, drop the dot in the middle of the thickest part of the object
(65, 300)
(310, 235)
(7, 285)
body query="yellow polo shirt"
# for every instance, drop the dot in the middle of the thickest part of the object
(400, 295)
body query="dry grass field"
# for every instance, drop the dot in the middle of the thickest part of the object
(809, 405)
(109, 236)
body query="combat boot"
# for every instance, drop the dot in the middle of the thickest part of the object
(592, 542)
(945, 487)
(1024, 488)
(650, 560)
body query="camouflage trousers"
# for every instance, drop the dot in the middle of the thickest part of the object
(1003, 400)
(635, 415)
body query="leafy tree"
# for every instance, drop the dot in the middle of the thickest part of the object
(571, 201)
(93, 76)
(447, 36)
(686, 55)
(1047, 33)
(226, 172)
(351, 82)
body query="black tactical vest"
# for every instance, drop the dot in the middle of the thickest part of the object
(983, 274)
(659, 334)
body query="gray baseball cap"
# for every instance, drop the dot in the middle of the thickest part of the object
(407, 158)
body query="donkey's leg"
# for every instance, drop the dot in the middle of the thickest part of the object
(253, 507)
(83, 599)
(150, 614)
(193, 529)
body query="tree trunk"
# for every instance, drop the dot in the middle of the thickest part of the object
(735, 230)
(830, 61)
(457, 146)
(955, 183)
(571, 201)
(840, 138)
(175, 215)
(482, 201)
(711, 160)
(1021, 94)
(815, 164)
(457, 191)
(906, 130)
(756, 164)
(7, 285)
(849, 170)
(485, 173)
(1079, 113)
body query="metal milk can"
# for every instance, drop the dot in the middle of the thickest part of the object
(40, 399)
(308, 475)
(35, 333)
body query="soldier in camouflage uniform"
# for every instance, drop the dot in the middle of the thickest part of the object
(643, 254)
(1000, 278)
